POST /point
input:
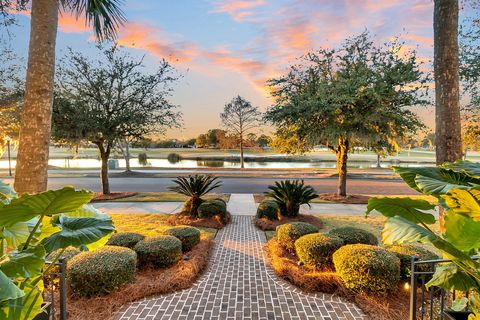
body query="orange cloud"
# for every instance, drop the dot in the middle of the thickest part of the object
(238, 9)
(70, 23)
(428, 41)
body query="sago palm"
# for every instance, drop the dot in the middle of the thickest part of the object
(290, 195)
(194, 187)
(105, 16)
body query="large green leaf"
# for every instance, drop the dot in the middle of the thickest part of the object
(450, 277)
(464, 202)
(26, 307)
(468, 167)
(6, 192)
(24, 264)
(87, 211)
(462, 232)
(408, 208)
(16, 234)
(78, 231)
(8, 290)
(51, 202)
(435, 180)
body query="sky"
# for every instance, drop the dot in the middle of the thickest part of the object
(225, 48)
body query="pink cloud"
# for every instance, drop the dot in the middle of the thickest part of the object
(238, 9)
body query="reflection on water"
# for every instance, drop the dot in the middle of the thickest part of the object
(165, 163)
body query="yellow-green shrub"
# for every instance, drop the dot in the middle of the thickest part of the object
(159, 251)
(352, 235)
(189, 236)
(288, 233)
(211, 208)
(405, 252)
(101, 271)
(125, 239)
(316, 249)
(268, 209)
(367, 268)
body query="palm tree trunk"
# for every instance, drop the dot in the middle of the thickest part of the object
(342, 158)
(447, 105)
(31, 172)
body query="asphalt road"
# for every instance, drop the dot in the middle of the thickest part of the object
(234, 185)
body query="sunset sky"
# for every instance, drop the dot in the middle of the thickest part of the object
(230, 47)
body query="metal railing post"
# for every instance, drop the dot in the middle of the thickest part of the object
(413, 290)
(63, 289)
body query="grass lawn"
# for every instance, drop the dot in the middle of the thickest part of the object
(166, 197)
(148, 224)
(260, 197)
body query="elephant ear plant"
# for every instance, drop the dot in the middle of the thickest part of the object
(457, 189)
(33, 226)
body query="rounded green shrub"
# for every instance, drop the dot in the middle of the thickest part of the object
(405, 252)
(352, 235)
(101, 271)
(316, 249)
(189, 236)
(288, 233)
(159, 251)
(268, 209)
(367, 268)
(125, 239)
(211, 208)
(67, 254)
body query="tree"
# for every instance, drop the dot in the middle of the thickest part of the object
(446, 63)
(264, 141)
(201, 141)
(356, 95)
(111, 98)
(239, 117)
(105, 16)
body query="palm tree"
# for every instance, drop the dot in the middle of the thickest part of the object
(32, 161)
(447, 102)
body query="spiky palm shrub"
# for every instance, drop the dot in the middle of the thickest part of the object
(289, 195)
(194, 187)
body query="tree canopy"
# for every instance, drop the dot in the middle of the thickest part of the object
(354, 95)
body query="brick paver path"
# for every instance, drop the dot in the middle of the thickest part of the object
(239, 285)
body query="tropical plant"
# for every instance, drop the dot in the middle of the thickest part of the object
(457, 188)
(290, 195)
(194, 187)
(105, 16)
(33, 226)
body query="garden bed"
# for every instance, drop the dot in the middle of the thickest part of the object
(100, 197)
(147, 282)
(215, 222)
(392, 306)
(155, 197)
(271, 225)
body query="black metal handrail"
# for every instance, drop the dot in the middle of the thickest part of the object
(433, 306)
(61, 275)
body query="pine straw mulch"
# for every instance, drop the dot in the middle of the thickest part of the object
(147, 282)
(271, 225)
(112, 196)
(183, 218)
(391, 306)
(350, 199)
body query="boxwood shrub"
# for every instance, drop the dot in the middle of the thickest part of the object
(288, 233)
(125, 239)
(268, 209)
(189, 236)
(159, 251)
(211, 208)
(405, 252)
(367, 268)
(101, 271)
(352, 235)
(316, 249)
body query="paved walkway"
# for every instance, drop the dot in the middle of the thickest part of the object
(239, 285)
(242, 204)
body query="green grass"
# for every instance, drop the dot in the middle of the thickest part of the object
(166, 197)
(148, 224)
(260, 197)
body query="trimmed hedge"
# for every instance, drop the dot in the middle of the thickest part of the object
(316, 249)
(67, 254)
(352, 235)
(159, 251)
(125, 239)
(212, 208)
(101, 271)
(405, 252)
(189, 236)
(367, 268)
(268, 209)
(288, 233)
